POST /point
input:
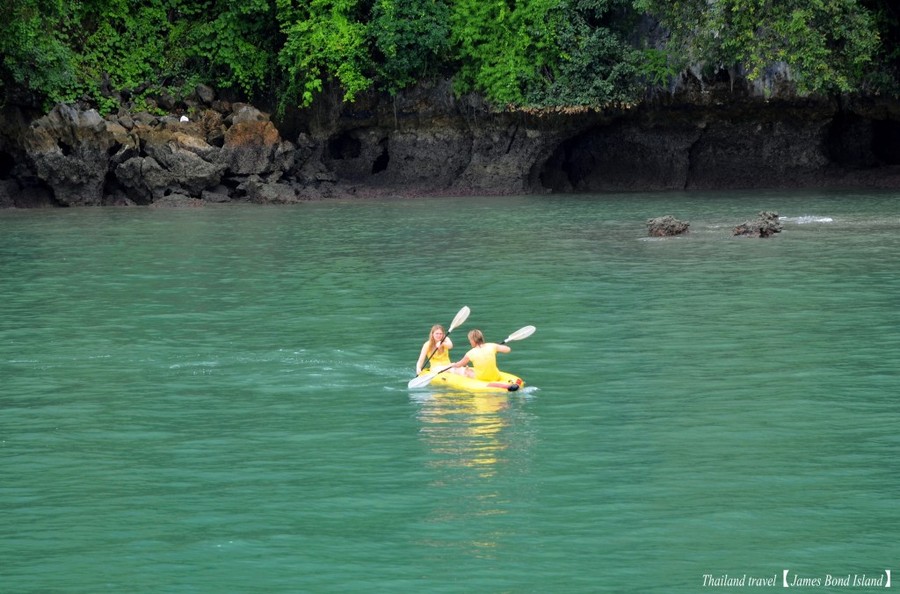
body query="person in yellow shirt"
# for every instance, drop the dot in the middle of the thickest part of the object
(483, 357)
(438, 347)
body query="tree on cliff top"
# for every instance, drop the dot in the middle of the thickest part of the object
(518, 53)
(410, 41)
(825, 45)
(545, 53)
(35, 56)
(56, 51)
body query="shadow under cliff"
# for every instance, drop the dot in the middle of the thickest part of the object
(428, 141)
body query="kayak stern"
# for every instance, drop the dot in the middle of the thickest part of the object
(507, 382)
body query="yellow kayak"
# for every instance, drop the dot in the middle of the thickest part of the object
(507, 382)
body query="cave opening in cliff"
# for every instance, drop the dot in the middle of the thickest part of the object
(556, 173)
(382, 160)
(344, 146)
(886, 141)
(852, 141)
(7, 163)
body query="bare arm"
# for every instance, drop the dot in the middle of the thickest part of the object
(462, 362)
(422, 356)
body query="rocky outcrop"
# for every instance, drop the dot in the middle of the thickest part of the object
(765, 225)
(428, 141)
(80, 159)
(70, 151)
(667, 226)
(252, 144)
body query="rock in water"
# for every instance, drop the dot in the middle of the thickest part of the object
(667, 226)
(765, 225)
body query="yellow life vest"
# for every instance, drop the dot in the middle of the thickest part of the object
(441, 357)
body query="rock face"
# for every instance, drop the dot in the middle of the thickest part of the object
(172, 161)
(69, 150)
(427, 141)
(252, 144)
(80, 159)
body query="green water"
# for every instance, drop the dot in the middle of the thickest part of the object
(214, 400)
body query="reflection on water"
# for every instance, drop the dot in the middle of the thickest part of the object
(465, 430)
(477, 445)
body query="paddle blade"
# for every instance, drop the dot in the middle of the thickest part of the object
(520, 334)
(460, 318)
(420, 380)
(424, 380)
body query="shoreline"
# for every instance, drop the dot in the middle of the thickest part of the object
(236, 153)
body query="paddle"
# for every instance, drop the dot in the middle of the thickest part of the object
(520, 334)
(423, 380)
(461, 316)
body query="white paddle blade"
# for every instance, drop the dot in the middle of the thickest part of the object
(419, 381)
(520, 334)
(460, 318)
(424, 380)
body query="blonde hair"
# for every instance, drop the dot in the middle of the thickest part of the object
(431, 343)
(476, 336)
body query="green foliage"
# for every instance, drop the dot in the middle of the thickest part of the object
(127, 44)
(521, 53)
(594, 65)
(236, 44)
(502, 49)
(411, 38)
(545, 53)
(33, 56)
(827, 44)
(886, 76)
(656, 68)
(323, 40)
(61, 50)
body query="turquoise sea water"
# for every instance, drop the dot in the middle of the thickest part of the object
(214, 400)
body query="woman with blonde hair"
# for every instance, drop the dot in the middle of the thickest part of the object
(438, 345)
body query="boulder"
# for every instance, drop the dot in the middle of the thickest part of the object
(219, 195)
(765, 225)
(268, 192)
(177, 201)
(667, 226)
(205, 94)
(173, 160)
(70, 152)
(252, 144)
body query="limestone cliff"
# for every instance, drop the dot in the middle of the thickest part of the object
(704, 135)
